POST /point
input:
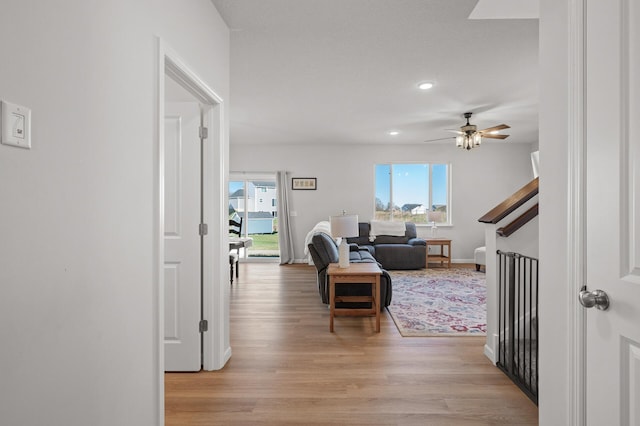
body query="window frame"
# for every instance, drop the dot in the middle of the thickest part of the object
(430, 165)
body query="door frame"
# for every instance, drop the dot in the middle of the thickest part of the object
(216, 349)
(562, 214)
(576, 207)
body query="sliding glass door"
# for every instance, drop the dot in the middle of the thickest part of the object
(255, 201)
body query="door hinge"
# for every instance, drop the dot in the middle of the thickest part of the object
(204, 326)
(203, 229)
(203, 132)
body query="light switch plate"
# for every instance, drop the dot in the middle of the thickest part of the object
(16, 125)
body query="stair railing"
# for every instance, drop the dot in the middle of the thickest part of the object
(518, 320)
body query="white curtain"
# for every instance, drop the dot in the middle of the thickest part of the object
(285, 238)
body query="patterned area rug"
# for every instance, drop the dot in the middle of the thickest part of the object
(439, 302)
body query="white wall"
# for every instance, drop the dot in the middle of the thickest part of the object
(78, 310)
(482, 178)
(525, 240)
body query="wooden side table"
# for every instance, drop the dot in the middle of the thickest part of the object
(356, 273)
(441, 257)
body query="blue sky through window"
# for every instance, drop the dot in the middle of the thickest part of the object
(411, 184)
(439, 174)
(383, 183)
(235, 185)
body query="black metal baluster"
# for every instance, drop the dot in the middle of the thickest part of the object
(517, 300)
(512, 302)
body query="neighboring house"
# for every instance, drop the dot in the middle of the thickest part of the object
(265, 197)
(236, 200)
(261, 197)
(414, 209)
(258, 222)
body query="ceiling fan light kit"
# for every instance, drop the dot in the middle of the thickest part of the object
(468, 141)
(469, 137)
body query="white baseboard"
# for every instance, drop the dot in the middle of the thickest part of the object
(490, 348)
(463, 261)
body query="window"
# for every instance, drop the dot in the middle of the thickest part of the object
(412, 192)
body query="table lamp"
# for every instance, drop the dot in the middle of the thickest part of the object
(344, 226)
(431, 217)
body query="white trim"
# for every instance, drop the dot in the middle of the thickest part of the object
(576, 210)
(238, 176)
(489, 348)
(216, 349)
(627, 166)
(463, 261)
(158, 243)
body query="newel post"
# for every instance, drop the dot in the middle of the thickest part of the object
(491, 276)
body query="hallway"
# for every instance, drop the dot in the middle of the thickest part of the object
(287, 368)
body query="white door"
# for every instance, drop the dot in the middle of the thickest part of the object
(182, 275)
(613, 210)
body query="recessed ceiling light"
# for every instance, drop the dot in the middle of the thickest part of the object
(393, 132)
(425, 85)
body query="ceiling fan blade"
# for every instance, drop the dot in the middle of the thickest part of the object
(495, 128)
(490, 136)
(439, 139)
(454, 131)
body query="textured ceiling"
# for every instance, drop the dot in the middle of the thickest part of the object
(346, 71)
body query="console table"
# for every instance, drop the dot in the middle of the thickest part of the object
(238, 243)
(440, 257)
(356, 273)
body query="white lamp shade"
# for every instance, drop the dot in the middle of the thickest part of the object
(345, 226)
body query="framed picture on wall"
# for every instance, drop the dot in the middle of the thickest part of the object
(304, 183)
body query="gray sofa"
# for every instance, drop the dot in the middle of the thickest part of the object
(324, 251)
(406, 252)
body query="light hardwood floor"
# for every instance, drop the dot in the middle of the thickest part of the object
(288, 369)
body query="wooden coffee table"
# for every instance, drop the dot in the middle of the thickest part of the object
(356, 273)
(441, 257)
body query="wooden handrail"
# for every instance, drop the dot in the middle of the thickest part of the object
(506, 207)
(518, 223)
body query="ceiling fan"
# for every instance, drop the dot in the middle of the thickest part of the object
(469, 137)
